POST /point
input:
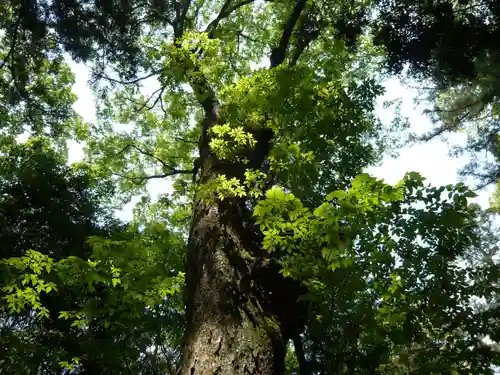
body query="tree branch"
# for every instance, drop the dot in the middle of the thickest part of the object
(131, 82)
(178, 18)
(204, 92)
(145, 153)
(183, 140)
(443, 129)
(248, 37)
(278, 53)
(307, 32)
(181, 8)
(299, 353)
(14, 38)
(486, 179)
(197, 11)
(140, 179)
(145, 105)
(200, 85)
(225, 11)
(185, 8)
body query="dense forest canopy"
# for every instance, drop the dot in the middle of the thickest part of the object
(269, 251)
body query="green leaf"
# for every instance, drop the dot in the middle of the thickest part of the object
(338, 194)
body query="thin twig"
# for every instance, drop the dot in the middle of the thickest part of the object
(145, 105)
(442, 129)
(245, 36)
(145, 153)
(184, 140)
(131, 82)
(140, 179)
(487, 179)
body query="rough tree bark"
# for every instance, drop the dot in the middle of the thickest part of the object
(234, 322)
(241, 312)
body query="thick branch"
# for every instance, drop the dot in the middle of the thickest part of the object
(205, 95)
(307, 32)
(185, 8)
(301, 47)
(225, 12)
(199, 84)
(278, 53)
(14, 38)
(178, 20)
(178, 9)
(297, 52)
(201, 87)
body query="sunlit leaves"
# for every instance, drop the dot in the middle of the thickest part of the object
(26, 282)
(255, 181)
(398, 251)
(67, 288)
(227, 141)
(37, 100)
(70, 365)
(220, 188)
(132, 282)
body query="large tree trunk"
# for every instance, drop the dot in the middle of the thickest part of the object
(241, 312)
(230, 329)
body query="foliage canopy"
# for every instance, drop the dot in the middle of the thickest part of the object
(269, 251)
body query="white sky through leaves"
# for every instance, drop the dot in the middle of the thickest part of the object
(430, 159)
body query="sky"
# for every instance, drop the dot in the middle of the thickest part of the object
(430, 159)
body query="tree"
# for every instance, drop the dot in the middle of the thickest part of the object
(461, 71)
(248, 129)
(49, 209)
(59, 263)
(262, 115)
(49, 213)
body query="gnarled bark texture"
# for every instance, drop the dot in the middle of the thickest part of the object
(241, 312)
(229, 330)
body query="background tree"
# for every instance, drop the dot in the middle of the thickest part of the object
(52, 211)
(459, 74)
